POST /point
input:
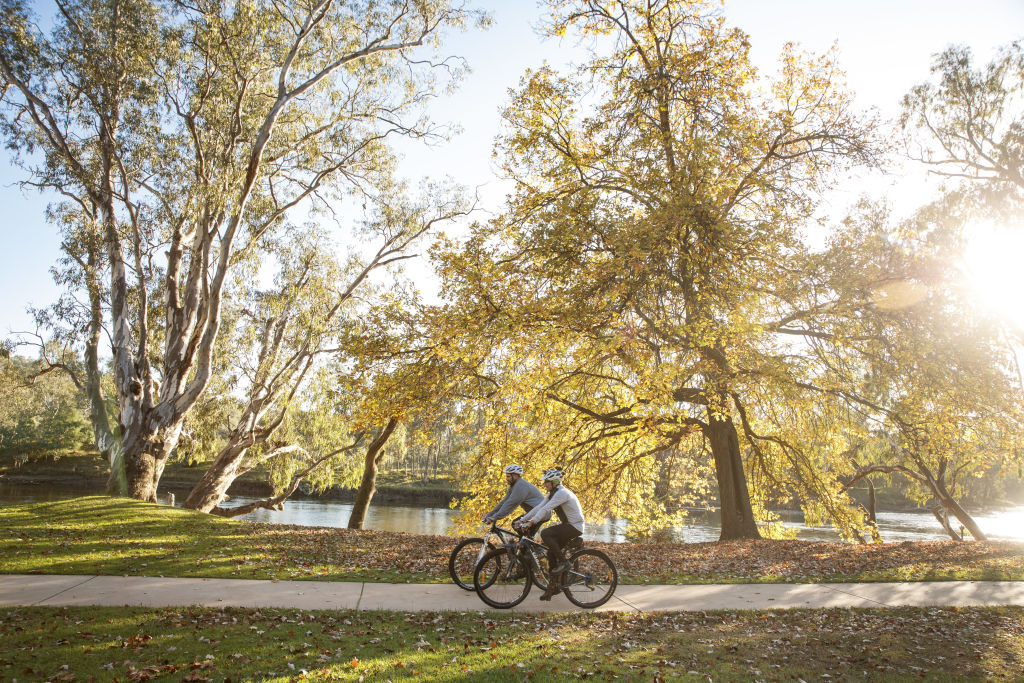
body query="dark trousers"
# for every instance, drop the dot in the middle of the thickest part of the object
(555, 537)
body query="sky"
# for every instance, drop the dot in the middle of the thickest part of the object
(885, 47)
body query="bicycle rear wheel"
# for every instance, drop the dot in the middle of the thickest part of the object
(501, 579)
(463, 559)
(591, 578)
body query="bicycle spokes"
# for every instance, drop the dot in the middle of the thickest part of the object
(591, 578)
(501, 579)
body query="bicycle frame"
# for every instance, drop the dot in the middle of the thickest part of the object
(503, 539)
(529, 547)
(568, 577)
(516, 543)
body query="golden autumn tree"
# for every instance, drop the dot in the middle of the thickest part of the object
(922, 382)
(633, 294)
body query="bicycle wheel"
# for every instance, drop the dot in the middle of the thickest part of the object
(591, 578)
(501, 580)
(463, 559)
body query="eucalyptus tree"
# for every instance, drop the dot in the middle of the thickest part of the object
(627, 290)
(76, 109)
(189, 133)
(302, 337)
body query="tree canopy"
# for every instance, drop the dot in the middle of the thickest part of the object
(637, 293)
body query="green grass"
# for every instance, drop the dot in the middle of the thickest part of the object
(101, 535)
(244, 644)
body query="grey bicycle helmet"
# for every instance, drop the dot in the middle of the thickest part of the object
(514, 469)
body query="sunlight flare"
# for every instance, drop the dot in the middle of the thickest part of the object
(995, 272)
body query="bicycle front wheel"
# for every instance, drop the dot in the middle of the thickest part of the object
(463, 559)
(501, 579)
(540, 572)
(591, 578)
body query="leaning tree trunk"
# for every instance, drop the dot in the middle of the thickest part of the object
(942, 516)
(212, 488)
(950, 504)
(374, 453)
(937, 485)
(734, 496)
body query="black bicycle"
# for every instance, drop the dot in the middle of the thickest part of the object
(467, 554)
(504, 575)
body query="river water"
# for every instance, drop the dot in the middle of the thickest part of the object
(1005, 525)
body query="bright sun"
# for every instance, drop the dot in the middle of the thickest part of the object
(994, 261)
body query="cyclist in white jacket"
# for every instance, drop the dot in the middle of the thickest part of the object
(566, 505)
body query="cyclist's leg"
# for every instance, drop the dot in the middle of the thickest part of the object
(555, 538)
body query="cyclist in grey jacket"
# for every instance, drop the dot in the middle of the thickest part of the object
(521, 493)
(566, 505)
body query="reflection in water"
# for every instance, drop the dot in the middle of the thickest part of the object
(1000, 525)
(416, 520)
(1007, 525)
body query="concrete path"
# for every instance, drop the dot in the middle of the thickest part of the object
(51, 590)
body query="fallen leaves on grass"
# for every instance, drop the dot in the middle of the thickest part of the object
(795, 561)
(98, 535)
(973, 643)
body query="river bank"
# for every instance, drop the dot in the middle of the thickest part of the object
(100, 535)
(385, 494)
(88, 472)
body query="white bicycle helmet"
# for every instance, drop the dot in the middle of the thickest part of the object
(513, 469)
(553, 475)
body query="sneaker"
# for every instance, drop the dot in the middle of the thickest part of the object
(550, 592)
